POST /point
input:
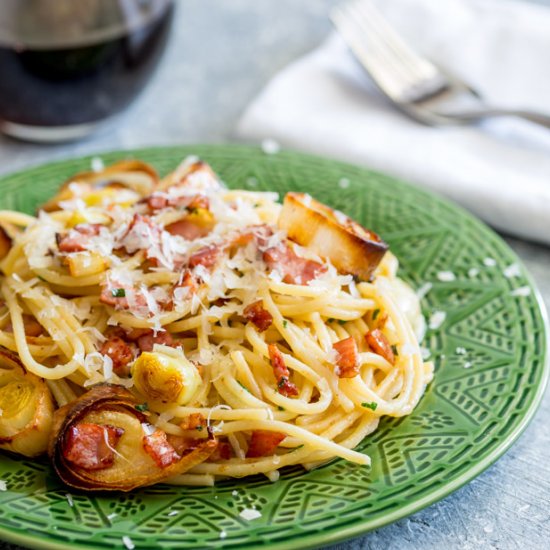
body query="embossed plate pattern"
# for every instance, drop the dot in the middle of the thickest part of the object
(465, 421)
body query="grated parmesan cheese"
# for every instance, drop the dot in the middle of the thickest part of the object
(128, 543)
(3, 485)
(521, 291)
(437, 318)
(446, 276)
(343, 183)
(489, 262)
(249, 514)
(512, 270)
(270, 146)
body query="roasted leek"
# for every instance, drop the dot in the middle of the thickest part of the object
(101, 442)
(26, 408)
(349, 246)
(166, 375)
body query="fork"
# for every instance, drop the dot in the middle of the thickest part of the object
(415, 85)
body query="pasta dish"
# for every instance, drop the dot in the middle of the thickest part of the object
(175, 330)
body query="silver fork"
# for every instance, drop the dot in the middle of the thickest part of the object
(412, 83)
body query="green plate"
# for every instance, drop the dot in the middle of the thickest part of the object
(465, 421)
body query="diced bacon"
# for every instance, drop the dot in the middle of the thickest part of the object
(142, 234)
(263, 443)
(32, 327)
(259, 233)
(347, 357)
(222, 452)
(183, 445)
(159, 201)
(156, 201)
(281, 372)
(193, 421)
(77, 239)
(159, 449)
(256, 313)
(206, 256)
(133, 334)
(148, 340)
(117, 295)
(294, 269)
(120, 353)
(379, 344)
(91, 446)
(187, 229)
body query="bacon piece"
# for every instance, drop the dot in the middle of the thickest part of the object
(187, 229)
(193, 421)
(159, 201)
(205, 256)
(222, 452)
(5, 243)
(90, 446)
(147, 341)
(159, 449)
(133, 334)
(183, 445)
(188, 281)
(120, 353)
(259, 233)
(348, 357)
(258, 315)
(281, 372)
(117, 295)
(378, 342)
(263, 443)
(30, 324)
(294, 269)
(78, 238)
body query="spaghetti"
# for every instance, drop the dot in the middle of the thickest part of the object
(203, 310)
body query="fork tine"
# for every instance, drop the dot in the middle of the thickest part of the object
(399, 71)
(374, 20)
(367, 54)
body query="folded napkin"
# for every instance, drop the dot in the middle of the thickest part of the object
(500, 170)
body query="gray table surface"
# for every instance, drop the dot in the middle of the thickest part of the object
(219, 57)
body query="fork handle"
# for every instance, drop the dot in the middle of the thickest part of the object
(478, 114)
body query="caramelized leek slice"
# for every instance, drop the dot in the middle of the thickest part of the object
(166, 375)
(349, 246)
(131, 174)
(129, 465)
(26, 407)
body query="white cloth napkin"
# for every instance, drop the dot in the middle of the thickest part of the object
(325, 104)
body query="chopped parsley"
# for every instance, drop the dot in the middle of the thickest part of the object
(280, 408)
(330, 319)
(375, 314)
(142, 407)
(257, 205)
(243, 387)
(285, 323)
(118, 293)
(394, 349)
(239, 273)
(199, 428)
(341, 322)
(192, 210)
(372, 406)
(282, 381)
(41, 278)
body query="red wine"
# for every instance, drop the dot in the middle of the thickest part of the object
(80, 76)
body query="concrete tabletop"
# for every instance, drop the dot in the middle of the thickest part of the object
(219, 57)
